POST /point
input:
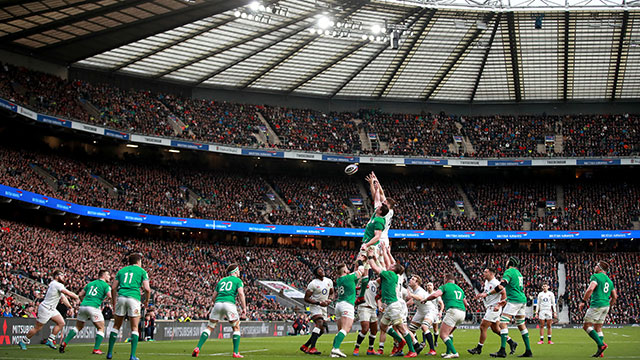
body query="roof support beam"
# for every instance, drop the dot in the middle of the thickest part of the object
(485, 56)
(284, 57)
(515, 63)
(406, 49)
(621, 48)
(234, 44)
(72, 19)
(565, 80)
(174, 42)
(454, 57)
(345, 54)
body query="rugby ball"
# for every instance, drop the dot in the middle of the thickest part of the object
(351, 169)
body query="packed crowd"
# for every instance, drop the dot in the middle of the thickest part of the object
(177, 189)
(424, 134)
(625, 274)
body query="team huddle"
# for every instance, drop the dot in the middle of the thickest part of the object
(378, 286)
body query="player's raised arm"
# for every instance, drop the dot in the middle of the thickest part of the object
(147, 292)
(435, 294)
(372, 261)
(373, 185)
(243, 302)
(387, 257)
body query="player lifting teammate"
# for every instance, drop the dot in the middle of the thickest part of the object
(455, 305)
(47, 310)
(368, 319)
(345, 310)
(603, 295)
(513, 283)
(225, 306)
(93, 295)
(125, 298)
(546, 312)
(319, 294)
(493, 304)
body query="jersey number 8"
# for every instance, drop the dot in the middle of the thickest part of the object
(606, 288)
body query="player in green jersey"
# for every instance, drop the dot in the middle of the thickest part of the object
(224, 297)
(455, 305)
(373, 230)
(603, 295)
(514, 308)
(92, 296)
(392, 322)
(126, 299)
(345, 310)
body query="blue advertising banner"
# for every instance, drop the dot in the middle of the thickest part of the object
(263, 153)
(54, 120)
(8, 105)
(116, 134)
(32, 198)
(509, 162)
(341, 158)
(426, 162)
(598, 162)
(189, 145)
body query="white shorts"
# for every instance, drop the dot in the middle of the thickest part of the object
(318, 310)
(405, 310)
(45, 314)
(127, 306)
(224, 309)
(344, 309)
(492, 316)
(420, 317)
(514, 309)
(545, 315)
(89, 313)
(595, 315)
(454, 317)
(393, 314)
(438, 318)
(366, 313)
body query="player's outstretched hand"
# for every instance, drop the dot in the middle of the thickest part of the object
(481, 295)
(581, 306)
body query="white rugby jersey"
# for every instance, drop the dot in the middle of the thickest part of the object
(370, 295)
(432, 305)
(546, 301)
(54, 292)
(387, 225)
(491, 300)
(320, 289)
(419, 291)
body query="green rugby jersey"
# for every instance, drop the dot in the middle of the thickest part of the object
(515, 286)
(376, 223)
(346, 288)
(227, 289)
(452, 296)
(130, 280)
(600, 296)
(95, 293)
(388, 285)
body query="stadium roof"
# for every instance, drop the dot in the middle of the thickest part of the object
(448, 50)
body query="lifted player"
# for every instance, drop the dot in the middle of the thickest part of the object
(126, 299)
(456, 307)
(603, 295)
(493, 305)
(379, 199)
(345, 311)
(93, 295)
(225, 306)
(392, 320)
(319, 294)
(47, 310)
(513, 282)
(546, 312)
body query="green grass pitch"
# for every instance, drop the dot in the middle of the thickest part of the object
(569, 344)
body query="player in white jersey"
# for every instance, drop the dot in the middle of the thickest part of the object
(425, 314)
(546, 312)
(493, 304)
(379, 198)
(367, 314)
(47, 310)
(436, 309)
(319, 295)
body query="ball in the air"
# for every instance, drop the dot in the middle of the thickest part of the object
(351, 169)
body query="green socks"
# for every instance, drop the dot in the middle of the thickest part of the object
(99, 338)
(525, 337)
(504, 335)
(236, 342)
(112, 340)
(70, 335)
(450, 347)
(337, 341)
(134, 343)
(203, 338)
(394, 335)
(595, 337)
(409, 340)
